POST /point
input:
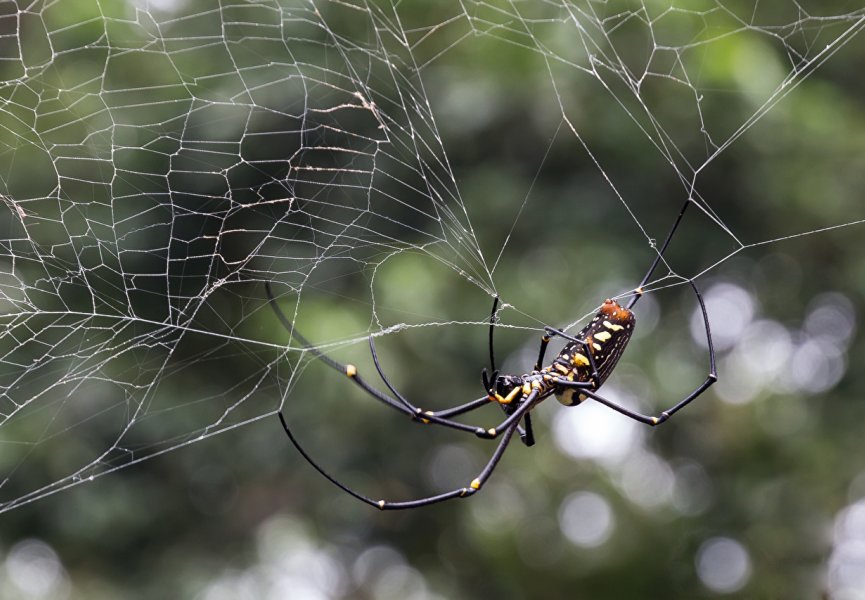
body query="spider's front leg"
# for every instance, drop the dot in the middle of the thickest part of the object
(525, 398)
(490, 383)
(400, 404)
(463, 492)
(418, 414)
(443, 417)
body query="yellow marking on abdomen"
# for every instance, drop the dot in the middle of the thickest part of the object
(580, 360)
(570, 397)
(612, 326)
(602, 336)
(566, 397)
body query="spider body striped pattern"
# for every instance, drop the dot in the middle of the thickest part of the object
(601, 343)
(574, 376)
(587, 358)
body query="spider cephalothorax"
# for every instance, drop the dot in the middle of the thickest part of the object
(575, 375)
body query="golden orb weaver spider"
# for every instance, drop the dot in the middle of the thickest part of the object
(575, 375)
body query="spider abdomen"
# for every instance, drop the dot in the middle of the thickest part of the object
(600, 346)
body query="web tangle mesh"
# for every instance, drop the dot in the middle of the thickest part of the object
(160, 161)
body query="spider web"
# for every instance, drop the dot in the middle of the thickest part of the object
(162, 160)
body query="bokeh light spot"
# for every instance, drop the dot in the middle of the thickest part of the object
(593, 431)
(846, 575)
(723, 565)
(647, 480)
(586, 519)
(34, 569)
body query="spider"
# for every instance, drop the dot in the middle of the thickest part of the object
(575, 375)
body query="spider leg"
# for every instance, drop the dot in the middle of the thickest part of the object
(463, 408)
(492, 329)
(526, 435)
(438, 417)
(638, 293)
(463, 492)
(514, 418)
(545, 341)
(489, 385)
(416, 414)
(351, 372)
(468, 406)
(663, 416)
(645, 419)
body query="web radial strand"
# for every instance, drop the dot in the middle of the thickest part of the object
(159, 163)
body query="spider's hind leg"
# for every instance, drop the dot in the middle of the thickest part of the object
(711, 378)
